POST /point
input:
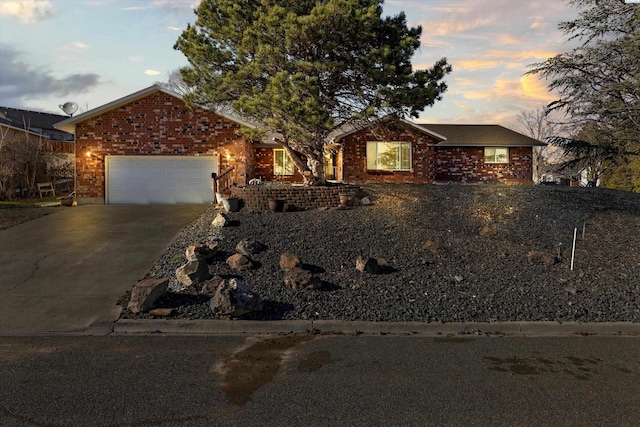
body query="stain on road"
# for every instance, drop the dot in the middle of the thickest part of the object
(256, 365)
(577, 367)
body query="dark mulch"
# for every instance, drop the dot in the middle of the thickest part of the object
(470, 277)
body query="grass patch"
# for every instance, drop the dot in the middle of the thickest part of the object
(26, 203)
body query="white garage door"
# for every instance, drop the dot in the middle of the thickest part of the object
(140, 180)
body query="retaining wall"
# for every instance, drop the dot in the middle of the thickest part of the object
(256, 198)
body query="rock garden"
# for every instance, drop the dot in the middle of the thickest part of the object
(429, 253)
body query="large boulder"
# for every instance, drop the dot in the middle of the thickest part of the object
(366, 264)
(203, 252)
(239, 262)
(234, 298)
(193, 272)
(289, 261)
(145, 294)
(249, 247)
(297, 278)
(221, 220)
(210, 287)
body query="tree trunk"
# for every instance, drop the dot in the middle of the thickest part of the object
(312, 170)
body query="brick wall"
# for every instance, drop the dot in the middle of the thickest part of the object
(354, 155)
(466, 165)
(256, 198)
(156, 125)
(263, 167)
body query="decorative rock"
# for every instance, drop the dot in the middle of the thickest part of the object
(239, 262)
(545, 258)
(249, 247)
(382, 262)
(289, 261)
(488, 231)
(431, 245)
(193, 272)
(202, 252)
(161, 312)
(365, 201)
(221, 220)
(367, 264)
(145, 293)
(297, 278)
(211, 286)
(234, 298)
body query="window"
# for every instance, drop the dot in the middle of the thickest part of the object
(496, 155)
(282, 163)
(383, 155)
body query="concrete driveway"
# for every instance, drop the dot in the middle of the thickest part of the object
(65, 272)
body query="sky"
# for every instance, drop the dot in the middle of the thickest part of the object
(93, 52)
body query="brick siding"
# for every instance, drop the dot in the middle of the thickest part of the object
(466, 165)
(156, 125)
(263, 167)
(354, 155)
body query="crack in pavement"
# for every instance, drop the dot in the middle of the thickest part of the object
(36, 267)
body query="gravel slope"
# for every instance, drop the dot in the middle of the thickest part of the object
(470, 277)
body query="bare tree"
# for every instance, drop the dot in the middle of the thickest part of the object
(24, 161)
(540, 125)
(175, 83)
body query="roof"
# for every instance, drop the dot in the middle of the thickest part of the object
(69, 125)
(350, 128)
(463, 135)
(8, 124)
(35, 122)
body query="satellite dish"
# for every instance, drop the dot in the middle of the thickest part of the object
(69, 108)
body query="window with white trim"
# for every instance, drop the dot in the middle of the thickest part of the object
(282, 163)
(388, 155)
(496, 155)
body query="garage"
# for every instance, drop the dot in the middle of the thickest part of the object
(140, 180)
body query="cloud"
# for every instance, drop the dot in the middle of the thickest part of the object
(73, 51)
(179, 6)
(536, 25)
(464, 81)
(134, 8)
(28, 11)
(151, 72)
(501, 58)
(507, 39)
(137, 58)
(535, 88)
(476, 64)
(172, 28)
(20, 81)
(455, 26)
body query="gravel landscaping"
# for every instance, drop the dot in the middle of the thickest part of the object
(455, 254)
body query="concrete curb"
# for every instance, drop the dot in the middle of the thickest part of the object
(235, 327)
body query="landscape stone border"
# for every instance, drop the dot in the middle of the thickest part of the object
(441, 330)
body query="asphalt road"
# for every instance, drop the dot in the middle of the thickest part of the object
(318, 380)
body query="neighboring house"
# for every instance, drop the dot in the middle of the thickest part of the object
(33, 151)
(40, 124)
(150, 147)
